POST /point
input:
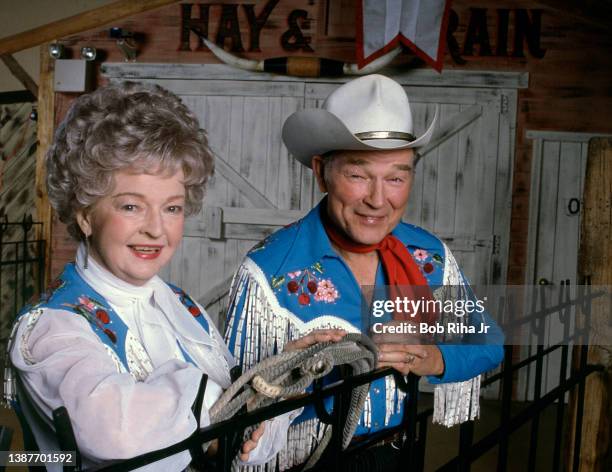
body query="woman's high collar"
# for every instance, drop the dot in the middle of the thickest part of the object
(110, 286)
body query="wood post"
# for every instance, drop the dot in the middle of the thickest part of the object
(46, 116)
(594, 263)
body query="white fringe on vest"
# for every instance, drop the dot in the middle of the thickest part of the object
(269, 327)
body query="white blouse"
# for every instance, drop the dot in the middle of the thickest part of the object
(117, 414)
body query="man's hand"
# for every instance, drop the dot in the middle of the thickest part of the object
(405, 353)
(252, 442)
(316, 336)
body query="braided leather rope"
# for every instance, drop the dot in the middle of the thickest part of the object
(275, 378)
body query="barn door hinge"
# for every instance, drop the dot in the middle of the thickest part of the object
(496, 243)
(504, 104)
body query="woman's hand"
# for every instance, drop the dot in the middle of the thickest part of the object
(316, 336)
(252, 442)
(246, 448)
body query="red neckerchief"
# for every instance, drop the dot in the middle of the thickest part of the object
(397, 262)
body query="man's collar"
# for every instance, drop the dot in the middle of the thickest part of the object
(314, 236)
(311, 243)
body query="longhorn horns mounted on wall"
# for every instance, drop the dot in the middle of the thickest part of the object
(299, 66)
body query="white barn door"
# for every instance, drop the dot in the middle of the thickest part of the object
(462, 190)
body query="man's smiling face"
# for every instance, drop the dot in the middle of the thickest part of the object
(367, 190)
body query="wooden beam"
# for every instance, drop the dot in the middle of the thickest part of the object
(452, 126)
(46, 116)
(242, 184)
(20, 73)
(595, 244)
(78, 23)
(594, 263)
(252, 216)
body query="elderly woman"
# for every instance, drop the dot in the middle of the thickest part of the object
(122, 350)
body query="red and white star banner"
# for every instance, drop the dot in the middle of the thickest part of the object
(418, 24)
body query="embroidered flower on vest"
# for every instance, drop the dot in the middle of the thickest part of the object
(420, 254)
(95, 313)
(186, 300)
(427, 262)
(326, 291)
(306, 285)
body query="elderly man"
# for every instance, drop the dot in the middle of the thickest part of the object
(307, 276)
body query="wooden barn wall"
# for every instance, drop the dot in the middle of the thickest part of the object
(568, 64)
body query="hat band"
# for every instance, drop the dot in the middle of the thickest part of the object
(385, 135)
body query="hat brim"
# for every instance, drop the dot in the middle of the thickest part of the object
(314, 131)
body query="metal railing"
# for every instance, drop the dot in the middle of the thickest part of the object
(22, 268)
(413, 428)
(470, 451)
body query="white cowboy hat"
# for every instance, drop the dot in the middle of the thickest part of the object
(365, 114)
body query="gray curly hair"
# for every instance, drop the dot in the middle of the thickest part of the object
(127, 125)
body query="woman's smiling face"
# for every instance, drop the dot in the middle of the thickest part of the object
(135, 229)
